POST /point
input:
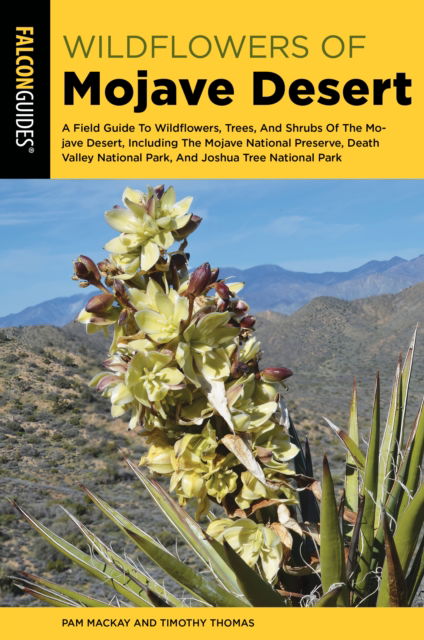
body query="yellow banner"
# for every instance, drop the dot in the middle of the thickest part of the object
(237, 624)
(236, 90)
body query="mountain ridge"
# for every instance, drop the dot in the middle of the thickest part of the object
(267, 287)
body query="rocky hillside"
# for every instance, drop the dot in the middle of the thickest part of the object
(55, 432)
(329, 342)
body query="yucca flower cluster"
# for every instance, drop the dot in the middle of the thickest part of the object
(184, 365)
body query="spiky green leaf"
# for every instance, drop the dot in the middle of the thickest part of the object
(201, 588)
(190, 530)
(388, 448)
(303, 465)
(110, 576)
(333, 571)
(205, 590)
(414, 461)
(114, 559)
(350, 445)
(416, 573)
(330, 599)
(395, 576)
(352, 473)
(59, 595)
(369, 491)
(406, 481)
(352, 559)
(408, 530)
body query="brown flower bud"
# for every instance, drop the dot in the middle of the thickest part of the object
(104, 266)
(108, 270)
(214, 275)
(239, 369)
(172, 276)
(100, 303)
(223, 291)
(178, 260)
(241, 307)
(121, 293)
(86, 269)
(157, 276)
(248, 322)
(222, 306)
(123, 317)
(150, 206)
(192, 224)
(275, 374)
(199, 280)
(159, 191)
(119, 287)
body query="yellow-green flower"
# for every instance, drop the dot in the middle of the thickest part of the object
(113, 386)
(127, 263)
(274, 438)
(161, 314)
(220, 483)
(158, 459)
(150, 379)
(252, 489)
(252, 541)
(146, 226)
(250, 409)
(96, 321)
(194, 452)
(249, 350)
(205, 347)
(189, 470)
(198, 470)
(188, 485)
(195, 411)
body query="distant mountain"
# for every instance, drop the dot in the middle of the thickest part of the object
(58, 312)
(268, 287)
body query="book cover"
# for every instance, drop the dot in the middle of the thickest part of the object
(298, 134)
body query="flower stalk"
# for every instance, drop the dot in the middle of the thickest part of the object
(184, 366)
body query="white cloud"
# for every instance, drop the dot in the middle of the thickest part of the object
(28, 217)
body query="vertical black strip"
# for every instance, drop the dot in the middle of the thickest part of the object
(25, 113)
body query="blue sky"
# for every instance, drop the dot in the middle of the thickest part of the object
(302, 225)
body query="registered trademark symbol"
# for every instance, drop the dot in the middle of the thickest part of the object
(31, 150)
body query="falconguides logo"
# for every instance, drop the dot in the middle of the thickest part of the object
(24, 119)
